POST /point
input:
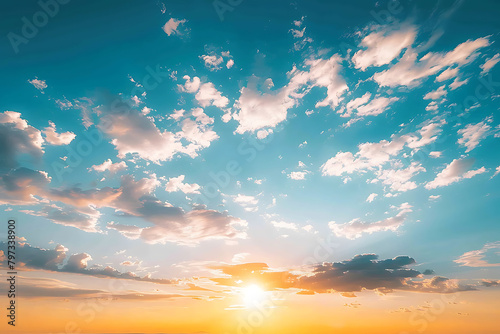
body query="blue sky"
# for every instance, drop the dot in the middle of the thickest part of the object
(321, 119)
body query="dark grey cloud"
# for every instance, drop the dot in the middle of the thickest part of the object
(361, 272)
(57, 260)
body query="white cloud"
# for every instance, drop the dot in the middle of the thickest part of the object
(383, 46)
(410, 72)
(435, 154)
(110, 166)
(38, 84)
(245, 199)
(258, 110)
(356, 227)
(354, 104)
(249, 203)
(171, 27)
(261, 134)
(434, 197)
(447, 74)
(472, 134)
(298, 175)
(376, 106)
(176, 184)
(458, 169)
(148, 141)
(206, 93)
(399, 179)
(476, 258)
(488, 65)
(368, 156)
(497, 171)
(457, 83)
(436, 94)
(284, 225)
(54, 138)
(212, 62)
(371, 197)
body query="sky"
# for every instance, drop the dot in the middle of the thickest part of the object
(237, 166)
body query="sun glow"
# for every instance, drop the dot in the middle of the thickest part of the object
(253, 295)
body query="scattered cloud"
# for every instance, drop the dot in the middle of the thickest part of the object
(457, 170)
(356, 227)
(477, 258)
(38, 84)
(172, 26)
(490, 62)
(472, 134)
(54, 138)
(108, 165)
(176, 184)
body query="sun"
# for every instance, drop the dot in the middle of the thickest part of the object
(253, 295)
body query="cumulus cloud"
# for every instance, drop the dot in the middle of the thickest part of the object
(356, 227)
(457, 170)
(172, 26)
(17, 137)
(284, 225)
(213, 60)
(19, 186)
(176, 184)
(246, 201)
(258, 110)
(108, 165)
(206, 93)
(54, 138)
(477, 258)
(149, 142)
(298, 175)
